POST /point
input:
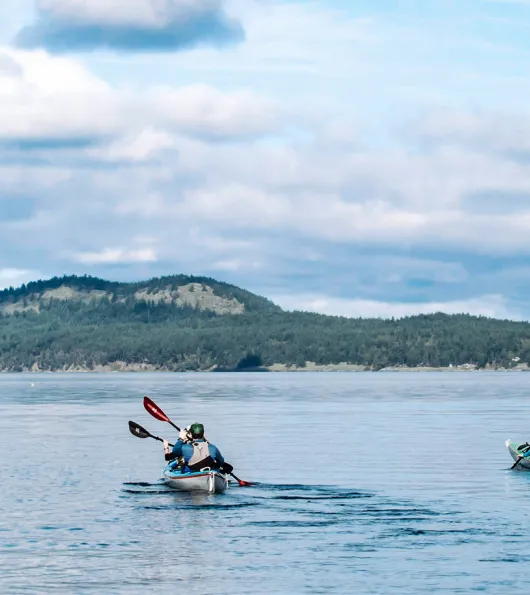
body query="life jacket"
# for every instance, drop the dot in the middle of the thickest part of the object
(201, 457)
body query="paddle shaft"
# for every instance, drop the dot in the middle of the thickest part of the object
(161, 440)
(517, 462)
(240, 481)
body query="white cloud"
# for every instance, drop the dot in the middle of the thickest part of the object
(386, 198)
(495, 306)
(48, 98)
(148, 143)
(239, 205)
(115, 256)
(235, 264)
(55, 98)
(482, 130)
(9, 67)
(348, 197)
(218, 244)
(204, 111)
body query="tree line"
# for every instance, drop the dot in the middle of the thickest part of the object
(180, 338)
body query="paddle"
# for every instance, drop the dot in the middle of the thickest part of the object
(155, 411)
(516, 462)
(240, 481)
(152, 408)
(139, 432)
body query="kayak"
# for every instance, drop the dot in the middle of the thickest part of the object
(212, 482)
(518, 449)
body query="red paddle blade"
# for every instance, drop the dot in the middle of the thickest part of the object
(155, 410)
(240, 481)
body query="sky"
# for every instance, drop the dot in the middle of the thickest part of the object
(354, 158)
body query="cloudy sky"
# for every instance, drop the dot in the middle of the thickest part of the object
(359, 158)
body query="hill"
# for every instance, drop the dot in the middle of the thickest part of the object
(178, 290)
(196, 323)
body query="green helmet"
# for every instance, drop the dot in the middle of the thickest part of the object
(197, 430)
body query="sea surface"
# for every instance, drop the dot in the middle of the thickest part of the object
(364, 483)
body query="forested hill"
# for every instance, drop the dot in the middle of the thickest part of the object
(177, 290)
(196, 323)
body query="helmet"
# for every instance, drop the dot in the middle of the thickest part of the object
(197, 430)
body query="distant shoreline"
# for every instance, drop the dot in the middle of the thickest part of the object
(123, 367)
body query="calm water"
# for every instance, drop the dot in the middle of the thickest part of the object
(368, 483)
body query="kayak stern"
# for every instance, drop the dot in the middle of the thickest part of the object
(209, 481)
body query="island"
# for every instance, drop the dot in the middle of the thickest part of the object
(184, 323)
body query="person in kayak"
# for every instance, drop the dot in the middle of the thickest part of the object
(196, 452)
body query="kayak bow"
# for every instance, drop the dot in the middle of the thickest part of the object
(518, 452)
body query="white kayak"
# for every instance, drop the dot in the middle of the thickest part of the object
(517, 450)
(211, 482)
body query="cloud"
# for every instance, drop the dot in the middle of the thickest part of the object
(135, 148)
(376, 197)
(479, 130)
(205, 112)
(287, 164)
(494, 306)
(9, 68)
(236, 265)
(55, 99)
(54, 103)
(115, 256)
(379, 232)
(133, 26)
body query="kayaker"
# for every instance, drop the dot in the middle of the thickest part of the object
(196, 451)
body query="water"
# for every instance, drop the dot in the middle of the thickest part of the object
(368, 483)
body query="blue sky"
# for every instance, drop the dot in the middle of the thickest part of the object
(333, 155)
